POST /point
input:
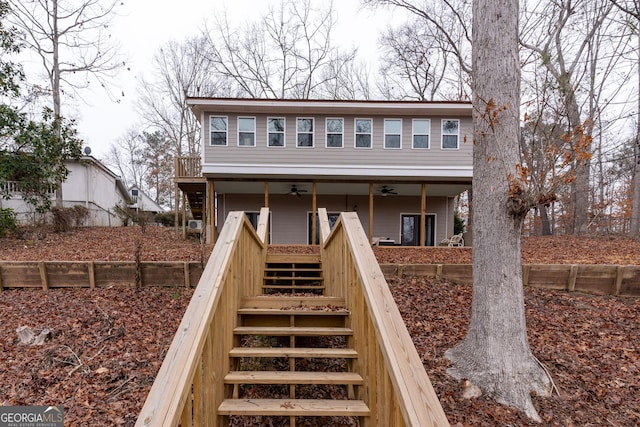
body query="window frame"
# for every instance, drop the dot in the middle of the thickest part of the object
(312, 133)
(226, 131)
(414, 134)
(283, 132)
(356, 133)
(442, 135)
(327, 133)
(392, 134)
(241, 131)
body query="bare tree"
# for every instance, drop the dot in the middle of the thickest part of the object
(560, 33)
(73, 43)
(495, 354)
(414, 66)
(179, 69)
(448, 21)
(128, 155)
(289, 54)
(632, 9)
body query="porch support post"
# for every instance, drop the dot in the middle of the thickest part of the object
(266, 194)
(314, 207)
(423, 208)
(176, 222)
(371, 213)
(184, 215)
(211, 212)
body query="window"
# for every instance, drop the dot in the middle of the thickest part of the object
(334, 133)
(421, 130)
(218, 126)
(276, 132)
(392, 133)
(450, 129)
(363, 133)
(246, 131)
(305, 132)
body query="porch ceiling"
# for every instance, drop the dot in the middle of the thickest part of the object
(446, 188)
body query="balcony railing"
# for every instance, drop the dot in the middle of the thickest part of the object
(16, 187)
(187, 167)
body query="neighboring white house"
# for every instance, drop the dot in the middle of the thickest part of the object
(142, 202)
(90, 184)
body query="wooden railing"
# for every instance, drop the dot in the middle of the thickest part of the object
(187, 167)
(396, 387)
(189, 386)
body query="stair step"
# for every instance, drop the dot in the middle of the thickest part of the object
(294, 407)
(306, 331)
(289, 287)
(301, 352)
(282, 301)
(293, 259)
(292, 377)
(292, 312)
(293, 269)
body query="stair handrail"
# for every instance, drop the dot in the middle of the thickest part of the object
(410, 400)
(189, 386)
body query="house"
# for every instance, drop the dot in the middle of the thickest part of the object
(398, 164)
(141, 202)
(90, 184)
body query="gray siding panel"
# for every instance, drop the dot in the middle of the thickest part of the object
(289, 223)
(320, 155)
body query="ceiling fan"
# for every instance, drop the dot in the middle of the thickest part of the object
(295, 191)
(385, 190)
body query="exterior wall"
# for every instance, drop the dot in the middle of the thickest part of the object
(87, 185)
(434, 156)
(92, 187)
(289, 214)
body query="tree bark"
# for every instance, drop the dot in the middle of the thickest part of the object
(635, 207)
(495, 354)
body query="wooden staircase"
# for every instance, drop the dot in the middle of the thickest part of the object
(290, 360)
(279, 340)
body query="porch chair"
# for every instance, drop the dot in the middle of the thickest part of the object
(455, 240)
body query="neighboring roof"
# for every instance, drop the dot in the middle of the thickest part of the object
(317, 106)
(148, 204)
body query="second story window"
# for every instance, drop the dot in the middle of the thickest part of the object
(218, 127)
(276, 132)
(392, 133)
(305, 132)
(335, 129)
(421, 130)
(363, 128)
(450, 131)
(246, 131)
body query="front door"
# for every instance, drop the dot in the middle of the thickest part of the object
(411, 230)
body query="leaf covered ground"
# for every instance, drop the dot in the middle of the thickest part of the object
(106, 345)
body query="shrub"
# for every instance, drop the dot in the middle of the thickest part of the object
(8, 221)
(65, 219)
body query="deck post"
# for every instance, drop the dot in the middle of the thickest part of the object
(423, 209)
(210, 211)
(314, 215)
(371, 213)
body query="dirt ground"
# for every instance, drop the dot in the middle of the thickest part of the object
(105, 345)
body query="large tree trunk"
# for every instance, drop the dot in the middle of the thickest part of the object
(495, 354)
(635, 207)
(55, 85)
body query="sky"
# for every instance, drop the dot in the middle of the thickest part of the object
(145, 25)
